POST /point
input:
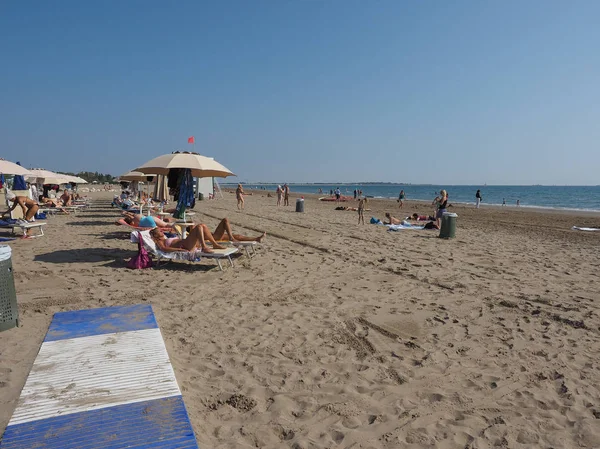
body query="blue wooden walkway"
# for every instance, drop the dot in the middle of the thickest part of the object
(102, 379)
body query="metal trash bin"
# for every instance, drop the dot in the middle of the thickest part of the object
(201, 196)
(300, 205)
(448, 227)
(9, 313)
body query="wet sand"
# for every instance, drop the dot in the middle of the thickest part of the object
(340, 335)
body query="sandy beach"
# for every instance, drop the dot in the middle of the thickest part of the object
(340, 335)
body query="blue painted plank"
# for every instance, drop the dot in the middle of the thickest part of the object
(107, 320)
(158, 424)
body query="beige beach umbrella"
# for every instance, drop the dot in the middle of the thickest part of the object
(10, 168)
(134, 176)
(46, 177)
(74, 179)
(201, 166)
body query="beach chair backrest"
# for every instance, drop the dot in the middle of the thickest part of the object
(147, 241)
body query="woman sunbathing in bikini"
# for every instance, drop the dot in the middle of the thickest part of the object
(197, 237)
(223, 232)
(147, 221)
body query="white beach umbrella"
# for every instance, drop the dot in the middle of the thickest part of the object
(10, 168)
(46, 176)
(74, 179)
(134, 176)
(201, 166)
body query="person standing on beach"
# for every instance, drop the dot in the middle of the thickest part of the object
(279, 195)
(477, 198)
(338, 194)
(286, 195)
(355, 193)
(518, 203)
(239, 194)
(441, 204)
(401, 198)
(504, 201)
(361, 210)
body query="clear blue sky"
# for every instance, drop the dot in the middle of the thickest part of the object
(465, 92)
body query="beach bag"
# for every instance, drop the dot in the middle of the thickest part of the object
(142, 259)
(40, 216)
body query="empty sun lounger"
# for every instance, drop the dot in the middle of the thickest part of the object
(102, 379)
(217, 254)
(26, 227)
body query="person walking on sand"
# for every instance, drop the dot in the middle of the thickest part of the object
(286, 195)
(401, 198)
(279, 195)
(361, 210)
(477, 198)
(239, 194)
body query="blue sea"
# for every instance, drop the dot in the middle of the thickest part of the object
(560, 197)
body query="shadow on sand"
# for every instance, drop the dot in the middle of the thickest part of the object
(118, 258)
(115, 235)
(89, 223)
(89, 255)
(92, 215)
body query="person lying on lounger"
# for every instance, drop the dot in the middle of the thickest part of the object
(197, 237)
(147, 221)
(29, 206)
(194, 240)
(223, 233)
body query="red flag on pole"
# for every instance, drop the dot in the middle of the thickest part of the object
(191, 139)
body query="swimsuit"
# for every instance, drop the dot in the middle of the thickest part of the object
(147, 222)
(169, 241)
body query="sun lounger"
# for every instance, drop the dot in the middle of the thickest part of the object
(102, 379)
(249, 247)
(217, 254)
(25, 226)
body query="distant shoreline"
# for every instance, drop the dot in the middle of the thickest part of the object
(346, 184)
(461, 204)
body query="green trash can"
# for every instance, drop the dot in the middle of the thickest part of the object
(201, 196)
(448, 228)
(9, 313)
